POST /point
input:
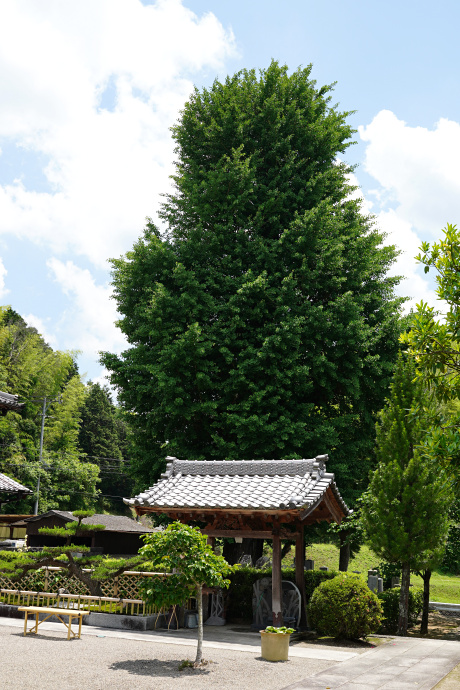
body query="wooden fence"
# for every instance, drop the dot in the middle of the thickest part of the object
(51, 579)
(128, 607)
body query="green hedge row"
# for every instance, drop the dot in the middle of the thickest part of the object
(239, 598)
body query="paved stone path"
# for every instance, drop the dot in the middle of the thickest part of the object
(401, 664)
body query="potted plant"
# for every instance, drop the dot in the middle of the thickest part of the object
(275, 643)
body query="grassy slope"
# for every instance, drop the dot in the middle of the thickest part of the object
(443, 587)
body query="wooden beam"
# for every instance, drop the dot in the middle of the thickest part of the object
(277, 595)
(308, 511)
(248, 533)
(331, 508)
(300, 574)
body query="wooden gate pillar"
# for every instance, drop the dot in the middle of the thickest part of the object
(277, 594)
(300, 573)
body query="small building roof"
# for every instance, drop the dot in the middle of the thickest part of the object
(256, 485)
(10, 486)
(112, 523)
(9, 402)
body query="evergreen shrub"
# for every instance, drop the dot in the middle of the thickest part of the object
(345, 607)
(451, 560)
(387, 571)
(390, 604)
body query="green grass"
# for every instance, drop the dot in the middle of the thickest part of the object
(443, 587)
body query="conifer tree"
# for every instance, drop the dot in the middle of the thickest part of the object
(103, 439)
(405, 511)
(77, 560)
(262, 323)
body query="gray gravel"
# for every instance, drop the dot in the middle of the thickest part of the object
(48, 661)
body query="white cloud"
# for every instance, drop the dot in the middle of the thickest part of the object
(106, 168)
(3, 272)
(416, 168)
(414, 284)
(357, 193)
(89, 322)
(418, 190)
(89, 91)
(39, 324)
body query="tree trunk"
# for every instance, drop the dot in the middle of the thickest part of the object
(285, 549)
(233, 552)
(94, 586)
(404, 600)
(344, 557)
(199, 648)
(426, 575)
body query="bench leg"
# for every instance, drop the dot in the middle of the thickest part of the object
(25, 623)
(79, 626)
(36, 623)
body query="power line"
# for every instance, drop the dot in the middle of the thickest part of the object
(44, 466)
(80, 456)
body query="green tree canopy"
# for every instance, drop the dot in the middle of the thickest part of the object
(434, 341)
(263, 323)
(405, 511)
(103, 438)
(182, 552)
(30, 368)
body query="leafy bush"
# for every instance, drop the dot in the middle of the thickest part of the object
(451, 560)
(239, 605)
(345, 607)
(390, 604)
(387, 571)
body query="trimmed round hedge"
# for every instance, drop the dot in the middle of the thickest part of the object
(345, 607)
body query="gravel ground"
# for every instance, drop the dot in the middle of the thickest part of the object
(50, 662)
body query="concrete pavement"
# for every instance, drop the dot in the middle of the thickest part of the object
(404, 663)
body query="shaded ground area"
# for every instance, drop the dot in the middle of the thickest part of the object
(442, 625)
(358, 646)
(48, 661)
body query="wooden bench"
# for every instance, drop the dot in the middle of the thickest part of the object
(59, 613)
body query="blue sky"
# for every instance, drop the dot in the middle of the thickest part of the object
(90, 87)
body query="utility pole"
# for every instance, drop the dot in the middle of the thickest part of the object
(46, 404)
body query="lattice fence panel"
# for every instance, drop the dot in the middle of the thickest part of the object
(126, 586)
(33, 581)
(59, 578)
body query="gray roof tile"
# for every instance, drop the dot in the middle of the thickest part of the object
(10, 486)
(234, 484)
(112, 523)
(10, 402)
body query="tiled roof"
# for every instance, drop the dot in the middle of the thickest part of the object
(10, 402)
(8, 485)
(112, 523)
(240, 484)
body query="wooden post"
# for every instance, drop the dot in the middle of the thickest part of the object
(300, 574)
(277, 595)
